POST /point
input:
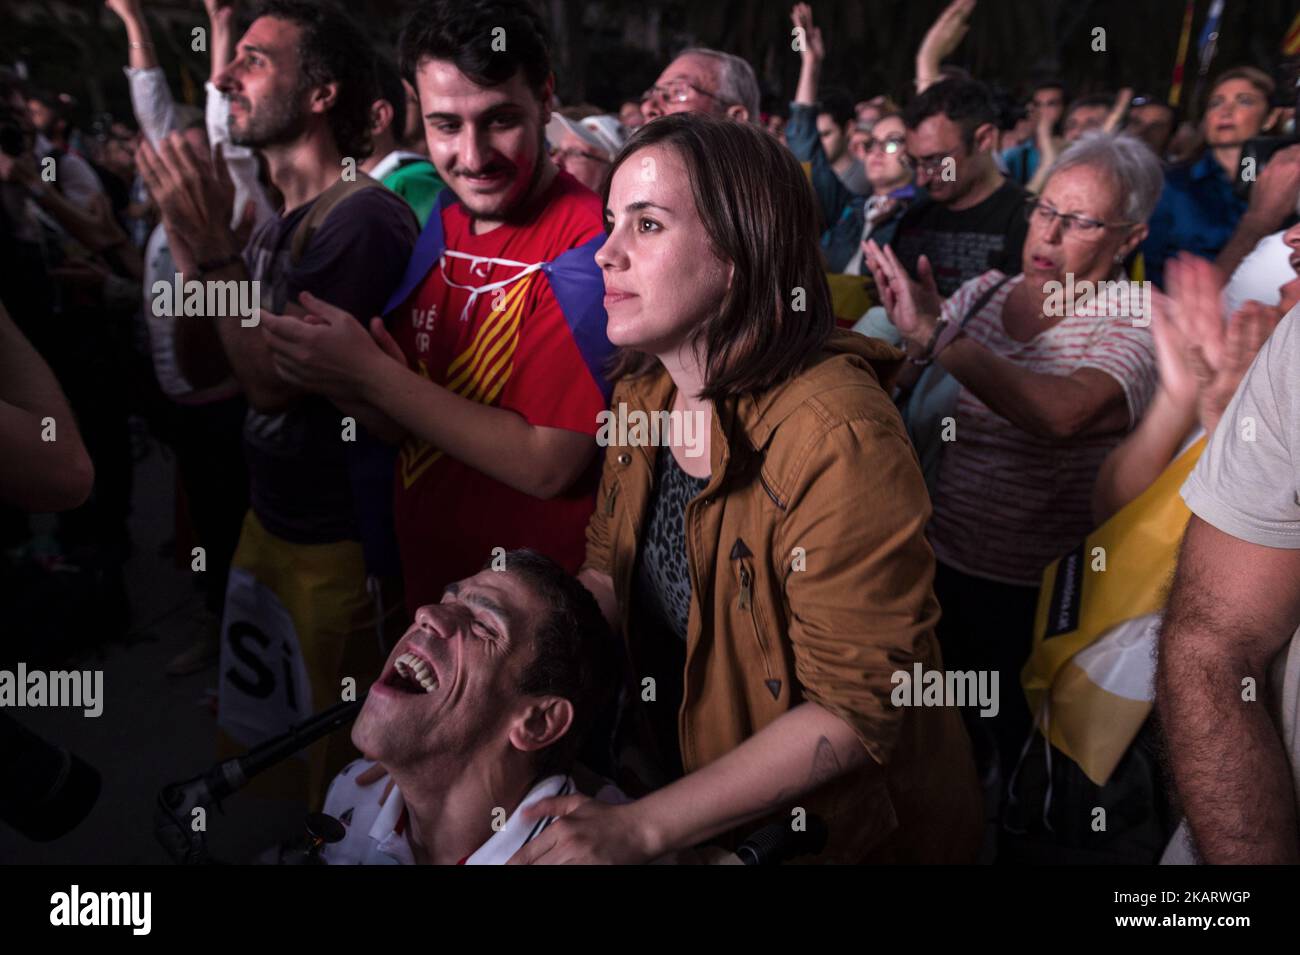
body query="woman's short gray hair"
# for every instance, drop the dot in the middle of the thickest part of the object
(736, 80)
(1127, 160)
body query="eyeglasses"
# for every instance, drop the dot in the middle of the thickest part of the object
(929, 164)
(568, 155)
(1081, 227)
(677, 91)
(888, 146)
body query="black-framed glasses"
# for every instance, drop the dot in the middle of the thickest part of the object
(889, 147)
(1081, 227)
(929, 164)
(571, 154)
(677, 91)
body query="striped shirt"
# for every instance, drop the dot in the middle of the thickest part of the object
(1007, 502)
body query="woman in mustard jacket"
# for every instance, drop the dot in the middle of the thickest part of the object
(758, 536)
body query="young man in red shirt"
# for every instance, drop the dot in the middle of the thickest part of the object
(491, 378)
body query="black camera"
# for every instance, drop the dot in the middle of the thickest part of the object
(1255, 154)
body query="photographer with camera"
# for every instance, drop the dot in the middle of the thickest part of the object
(1274, 202)
(1199, 210)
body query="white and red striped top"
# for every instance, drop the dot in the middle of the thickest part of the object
(1007, 503)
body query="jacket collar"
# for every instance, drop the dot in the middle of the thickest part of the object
(1206, 168)
(744, 425)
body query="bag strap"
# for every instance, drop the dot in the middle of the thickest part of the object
(983, 299)
(902, 395)
(321, 208)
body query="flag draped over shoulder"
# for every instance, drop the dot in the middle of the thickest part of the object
(575, 280)
(1089, 678)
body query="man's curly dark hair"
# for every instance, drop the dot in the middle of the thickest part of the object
(333, 49)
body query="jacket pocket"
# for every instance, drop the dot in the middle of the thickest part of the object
(747, 605)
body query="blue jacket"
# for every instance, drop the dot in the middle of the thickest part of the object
(1197, 212)
(841, 209)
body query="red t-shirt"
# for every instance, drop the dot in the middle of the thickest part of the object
(507, 345)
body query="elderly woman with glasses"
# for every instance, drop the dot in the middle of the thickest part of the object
(1055, 366)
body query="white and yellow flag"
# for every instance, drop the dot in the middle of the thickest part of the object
(1089, 679)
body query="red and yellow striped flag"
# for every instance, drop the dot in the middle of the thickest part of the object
(1176, 87)
(1291, 39)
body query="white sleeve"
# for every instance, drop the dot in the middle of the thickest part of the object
(155, 110)
(1260, 275)
(240, 160)
(1245, 483)
(79, 182)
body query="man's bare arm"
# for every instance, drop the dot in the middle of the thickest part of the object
(39, 474)
(540, 461)
(1234, 605)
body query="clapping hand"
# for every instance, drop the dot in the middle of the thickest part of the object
(1201, 358)
(913, 306)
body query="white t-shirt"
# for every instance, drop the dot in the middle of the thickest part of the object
(76, 177)
(376, 821)
(1247, 484)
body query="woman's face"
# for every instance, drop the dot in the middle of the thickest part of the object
(1235, 113)
(1052, 252)
(663, 276)
(885, 169)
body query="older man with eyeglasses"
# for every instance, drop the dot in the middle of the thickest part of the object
(701, 80)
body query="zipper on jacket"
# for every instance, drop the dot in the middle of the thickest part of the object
(770, 493)
(745, 602)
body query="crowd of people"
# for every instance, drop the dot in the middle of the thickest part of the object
(932, 373)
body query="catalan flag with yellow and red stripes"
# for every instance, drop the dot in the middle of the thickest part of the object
(512, 318)
(1291, 39)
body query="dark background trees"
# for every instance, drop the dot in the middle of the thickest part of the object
(608, 49)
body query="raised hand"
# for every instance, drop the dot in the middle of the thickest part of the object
(813, 48)
(219, 9)
(1115, 118)
(126, 10)
(947, 31)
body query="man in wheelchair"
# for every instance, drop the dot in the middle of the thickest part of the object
(478, 714)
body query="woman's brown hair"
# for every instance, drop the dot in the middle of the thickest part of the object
(757, 206)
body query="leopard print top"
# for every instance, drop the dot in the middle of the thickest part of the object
(663, 582)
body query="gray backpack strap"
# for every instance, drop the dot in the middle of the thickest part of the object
(321, 208)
